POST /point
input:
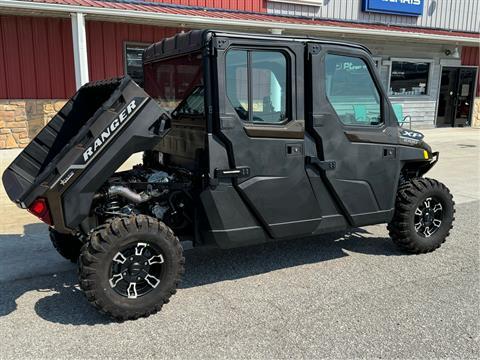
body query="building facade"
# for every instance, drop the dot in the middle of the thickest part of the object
(426, 51)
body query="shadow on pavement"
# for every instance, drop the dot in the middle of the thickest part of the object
(203, 266)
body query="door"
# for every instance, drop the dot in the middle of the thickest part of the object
(261, 121)
(456, 96)
(447, 96)
(355, 134)
(465, 93)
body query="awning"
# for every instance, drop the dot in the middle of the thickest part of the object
(194, 17)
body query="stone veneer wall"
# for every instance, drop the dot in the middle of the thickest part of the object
(21, 120)
(476, 113)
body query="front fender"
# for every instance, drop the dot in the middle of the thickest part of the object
(417, 161)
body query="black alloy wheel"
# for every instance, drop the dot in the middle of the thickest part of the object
(136, 270)
(428, 217)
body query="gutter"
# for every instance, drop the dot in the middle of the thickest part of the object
(110, 14)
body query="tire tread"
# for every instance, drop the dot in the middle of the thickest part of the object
(105, 236)
(407, 195)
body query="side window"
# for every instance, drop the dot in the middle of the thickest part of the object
(237, 81)
(257, 85)
(352, 91)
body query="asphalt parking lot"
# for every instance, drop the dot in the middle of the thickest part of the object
(328, 297)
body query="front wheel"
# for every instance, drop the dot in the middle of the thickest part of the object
(424, 213)
(130, 267)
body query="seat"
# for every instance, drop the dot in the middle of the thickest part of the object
(398, 110)
(360, 112)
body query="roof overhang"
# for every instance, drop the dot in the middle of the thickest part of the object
(138, 15)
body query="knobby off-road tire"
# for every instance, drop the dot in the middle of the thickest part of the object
(421, 202)
(116, 253)
(66, 245)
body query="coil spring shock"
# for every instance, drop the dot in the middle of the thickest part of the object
(112, 206)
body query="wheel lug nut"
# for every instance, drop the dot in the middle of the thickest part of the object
(145, 263)
(131, 258)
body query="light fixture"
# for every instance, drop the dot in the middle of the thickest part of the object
(276, 31)
(456, 53)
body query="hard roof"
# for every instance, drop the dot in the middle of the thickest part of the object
(195, 40)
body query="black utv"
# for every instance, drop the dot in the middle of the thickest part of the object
(246, 139)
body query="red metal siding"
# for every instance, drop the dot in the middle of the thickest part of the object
(244, 5)
(105, 43)
(36, 58)
(3, 80)
(471, 56)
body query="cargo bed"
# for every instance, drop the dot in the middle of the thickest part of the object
(79, 137)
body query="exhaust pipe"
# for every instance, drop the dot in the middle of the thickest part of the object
(127, 193)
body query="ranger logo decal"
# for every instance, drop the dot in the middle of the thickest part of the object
(117, 123)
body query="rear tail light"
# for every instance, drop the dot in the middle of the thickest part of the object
(39, 208)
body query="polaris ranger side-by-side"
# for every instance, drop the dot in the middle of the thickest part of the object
(246, 139)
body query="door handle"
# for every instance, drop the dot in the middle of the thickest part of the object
(389, 153)
(294, 149)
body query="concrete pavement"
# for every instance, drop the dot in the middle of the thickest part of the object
(349, 297)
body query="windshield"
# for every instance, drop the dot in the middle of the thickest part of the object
(173, 80)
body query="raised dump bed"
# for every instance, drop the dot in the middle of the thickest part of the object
(77, 136)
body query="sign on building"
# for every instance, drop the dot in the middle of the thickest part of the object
(397, 7)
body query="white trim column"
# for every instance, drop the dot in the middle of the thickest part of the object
(80, 56)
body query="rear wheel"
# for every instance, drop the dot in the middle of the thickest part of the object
(131, 267)
(424, 213)
(66, 245)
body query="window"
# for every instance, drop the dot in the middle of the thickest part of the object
(257, 85)
(237, 82)
(177, 84)
(352, 91)
(409, 78)
(133, 62)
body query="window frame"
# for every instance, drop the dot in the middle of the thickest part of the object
(428, 94)
(376, 81)
(124, 54)
(288, 78)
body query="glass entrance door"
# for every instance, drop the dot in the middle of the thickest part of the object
(455, 101)
(465, 93)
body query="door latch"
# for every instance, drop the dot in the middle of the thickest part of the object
(323, 165)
